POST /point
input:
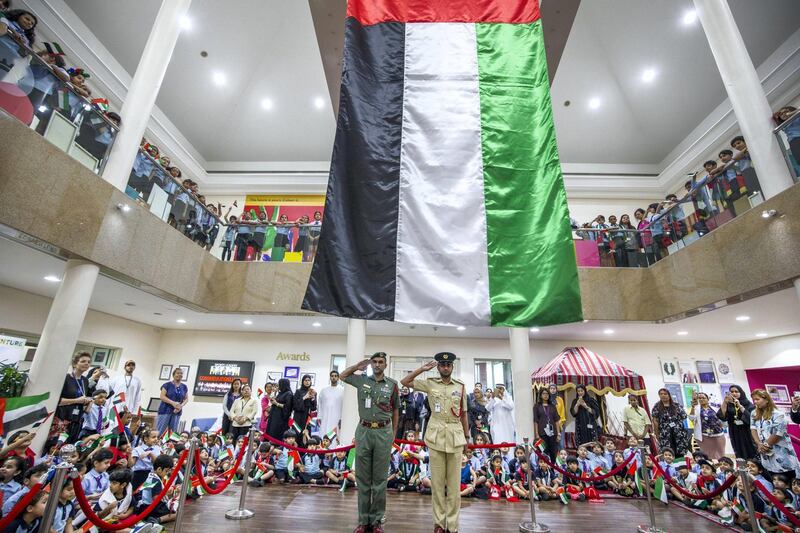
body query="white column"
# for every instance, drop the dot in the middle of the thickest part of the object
(521, 369)
(144, 89)
(356, 344)
(797, 287)
(746, 94)
(59, 336)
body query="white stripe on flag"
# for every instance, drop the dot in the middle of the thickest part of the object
(442, 270)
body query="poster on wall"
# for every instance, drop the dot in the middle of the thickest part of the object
(676, 392)
(689, 390)
(778, 393)
(289, 208)
(273, 377)
(214, 377)
(669, 370)
(713, 393)
(688, 373)
(724, 370)
(705, 371)
(12, 349)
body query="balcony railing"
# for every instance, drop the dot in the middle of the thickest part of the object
(37, 95)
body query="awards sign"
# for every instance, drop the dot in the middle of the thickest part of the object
(214, 378)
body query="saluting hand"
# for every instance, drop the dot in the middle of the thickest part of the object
(430, 365)
(362, 365)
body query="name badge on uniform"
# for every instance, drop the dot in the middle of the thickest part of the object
(672, 424)
(738, 422)
(367, 402)
(76, 411)
(589, 426)
(437, 407)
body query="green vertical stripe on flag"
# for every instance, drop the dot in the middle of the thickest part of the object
(533, 276)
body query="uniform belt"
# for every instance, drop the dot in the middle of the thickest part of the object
(375, 424)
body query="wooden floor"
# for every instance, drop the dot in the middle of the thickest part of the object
(292, 509)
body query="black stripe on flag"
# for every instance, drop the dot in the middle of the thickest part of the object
(355, 266)
(26, 420)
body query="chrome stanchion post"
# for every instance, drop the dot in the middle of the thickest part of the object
(532, 526)
(241, 513)
(187, 483)
(744, 475)
(643, 449)
(56, 484)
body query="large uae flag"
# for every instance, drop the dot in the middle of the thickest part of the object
(445, 203)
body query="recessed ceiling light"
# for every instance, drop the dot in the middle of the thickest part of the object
(266, 104)
(219, 78)
(760, 335)
(690, 17)
(52, 279)
(186, 23)
(248, 322)
(181, 321)
(319, 103)
(594, 103)
(461, 328)
(608, 331)
(649, 75)
(534, 330)
(42, 108)
(742, 318)
(317, 325)
(683, 333)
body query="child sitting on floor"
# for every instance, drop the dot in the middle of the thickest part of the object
(498, 481)
(522, 485)
(547, 481)
(310, 468)
(773, 519)
(338, 472)
(152, 487)
(285, 459)
(95, 482)
(115, 504)
(29, 519)
(621, 483)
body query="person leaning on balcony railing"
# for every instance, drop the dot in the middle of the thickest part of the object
(21, 24)
(792, 132)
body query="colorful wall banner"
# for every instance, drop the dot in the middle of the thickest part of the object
(214, 377)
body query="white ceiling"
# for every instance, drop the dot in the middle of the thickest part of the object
(24, 268)
(613, 41)
(266, 49)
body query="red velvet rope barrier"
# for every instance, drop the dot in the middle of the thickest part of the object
(691, 495)
(584, 477)
(774, 501)
(86, 507)
(202, 480)
(396, 441)
(20, 506)
(470, 446)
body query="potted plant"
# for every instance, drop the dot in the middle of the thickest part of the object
(12, 381)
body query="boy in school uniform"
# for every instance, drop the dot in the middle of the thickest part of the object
(546, 481)
(143, 457)
(152, 487)
(94, 415)
(29, 519)
(116, 502)
(95, 482)
(311, 467)
(523, 486)
(31, 477)
(284, 471)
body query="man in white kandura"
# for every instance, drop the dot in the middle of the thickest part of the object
(130, 385)
(329, 403)
(501, 407)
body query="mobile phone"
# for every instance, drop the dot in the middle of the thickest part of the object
(797, 394)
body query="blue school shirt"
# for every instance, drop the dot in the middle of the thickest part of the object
(311, 463)
(585, 465)
(95, 482)
(547, 477)
(91, 417)
(20, 526)
(144, 461)
(627, 453)
(282, 462)
(9, 503)
(466, 474)
(230, 231)
(12, 486)
(669, 469)
(767, 484)
(151, 488)
(63, 513)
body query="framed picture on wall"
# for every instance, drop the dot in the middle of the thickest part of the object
(313, 377)
(778, 393)
(724, 370)
(99, 356)
(166, 373)
(291, 373)
(705, 369)
(688, 374)
(676, 392)
(185, 369)
(274, 376)
(669, 370)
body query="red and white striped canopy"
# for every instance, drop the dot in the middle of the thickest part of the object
(575, 366)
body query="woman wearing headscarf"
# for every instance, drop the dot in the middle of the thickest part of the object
(735, 410)
(280, 410)
(305, 403)
(668, 424)
(585, 410)
(478, 414)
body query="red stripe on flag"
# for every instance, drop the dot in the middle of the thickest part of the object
(369, 12)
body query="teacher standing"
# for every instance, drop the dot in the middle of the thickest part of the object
(280, 410)
(548, 423)
(668, 424)
(227, 402)
(75, 394)
(735, 410)
(174, 395)
(305, 403)
(585, 410)
(243, 412)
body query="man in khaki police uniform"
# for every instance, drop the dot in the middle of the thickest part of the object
(378, 408)
(448, 431)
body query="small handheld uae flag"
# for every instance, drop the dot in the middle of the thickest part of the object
(445, 201)
(22, 411)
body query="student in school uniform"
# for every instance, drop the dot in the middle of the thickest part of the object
(152, 487)
(65, 511)
(143, 457)
(31, 477)
(116, 502)
(523, 485)
(546, 481)
(94, 415)
(311, 466)
(284, 472)
(95, 482)
(29, 519)
(11, 475)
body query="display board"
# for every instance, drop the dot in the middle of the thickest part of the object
(214, 377)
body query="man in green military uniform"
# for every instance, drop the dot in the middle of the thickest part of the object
(378, 401)
(448, 431)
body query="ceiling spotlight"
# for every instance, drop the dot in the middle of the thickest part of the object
(761, 335)
(319, 103)
(649, 75)
(219, 78)
(186, 23)
(683, 333)
(461, 328)
(742, 318)
(52, 279)
(248, 322)
(608, 331)
(690, 17)
(123, 207)
(181, 321)
(534, 330)
(317, 325)
(594, 103)
(769, 213)
(266, 104)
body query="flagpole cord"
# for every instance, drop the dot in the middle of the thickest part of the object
(652, 528)
(187, 484)
(533, 526)
(241, 513)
